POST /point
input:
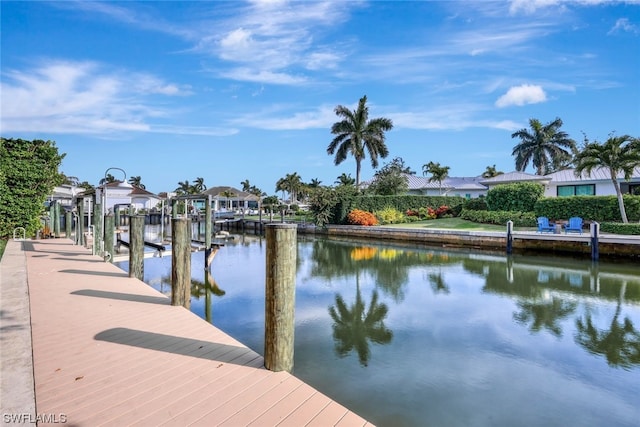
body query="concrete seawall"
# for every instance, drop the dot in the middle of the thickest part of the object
(610, 246)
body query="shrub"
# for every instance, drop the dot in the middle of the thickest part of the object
(390, 215)
(359, 217)
(479, 204)
(620, 228)
(593, 208)
(520, 219)
(514, 197)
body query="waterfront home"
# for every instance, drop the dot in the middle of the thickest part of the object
(558, 184)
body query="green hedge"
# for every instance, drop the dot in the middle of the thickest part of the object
(520, 219)
(514, 197)
(619, 228)
(590, 208)
(401, 203)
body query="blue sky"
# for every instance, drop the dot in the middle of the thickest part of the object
(228, 91)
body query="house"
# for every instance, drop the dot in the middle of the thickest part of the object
(119, 193)
(565, 183)
(467, 187)
(230, 198)
(598, 183)
(559, 184)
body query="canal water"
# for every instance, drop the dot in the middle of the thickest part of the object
(408, 336)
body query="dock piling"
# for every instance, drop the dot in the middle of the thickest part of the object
(280, 296)
(181, 262)
(109, 231)
(136, 246)
(509, 237)
(595, 250)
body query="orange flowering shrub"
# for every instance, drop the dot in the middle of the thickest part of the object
(358, 217)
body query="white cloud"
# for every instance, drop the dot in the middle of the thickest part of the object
(623, 25)
(81, 98)
(531, 6)
(522, 95)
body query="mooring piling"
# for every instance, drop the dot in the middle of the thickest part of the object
(181, 262)
(595, 250)
(280, 296)
(136, 246)
(109, 231)
(68, 222)
(509, 237)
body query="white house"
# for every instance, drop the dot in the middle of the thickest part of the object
(598, 183)
(558, 184)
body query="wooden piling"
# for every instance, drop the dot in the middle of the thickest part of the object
(136, 246)
(280, 296)
(109, 231)
(68, 223)
(180, 262)
(509, 237)
(208, 227)
(97, 228)
(80, 224)
(56, 219)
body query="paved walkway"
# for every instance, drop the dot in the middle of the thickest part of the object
(110, 350)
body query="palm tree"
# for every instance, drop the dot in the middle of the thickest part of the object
(246, 186)
(198, 185)
(314, 183)
(228, 194)
(491, 172)
(544, 145)
(184, 188)
(136, 181)
(619, 154)
(438, 173)
(292, 184)
(357, 135)
(345, 180)
(108, 179)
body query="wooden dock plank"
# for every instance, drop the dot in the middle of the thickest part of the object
(110, 350)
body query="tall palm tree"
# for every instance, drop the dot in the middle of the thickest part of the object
(359, 136)
(184, 187)
(438, 173)
(314, 183)
(198, 185)
(292, 184)
(491, 172)
(543, 145)
(136, 181)
(619, 154)
(345, 179)
(246, 186)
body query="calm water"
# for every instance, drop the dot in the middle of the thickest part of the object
(428, 337)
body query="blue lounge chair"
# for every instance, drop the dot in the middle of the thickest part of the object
(544, 226)
(574, 225)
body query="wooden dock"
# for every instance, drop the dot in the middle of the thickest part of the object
(110, 350)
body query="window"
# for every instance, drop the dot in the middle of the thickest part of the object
(576, 190)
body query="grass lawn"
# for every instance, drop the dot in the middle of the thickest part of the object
(450, 224)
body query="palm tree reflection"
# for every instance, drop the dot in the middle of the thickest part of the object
(620, 343)
(206, 288)
(545, 314)
(355, 326)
